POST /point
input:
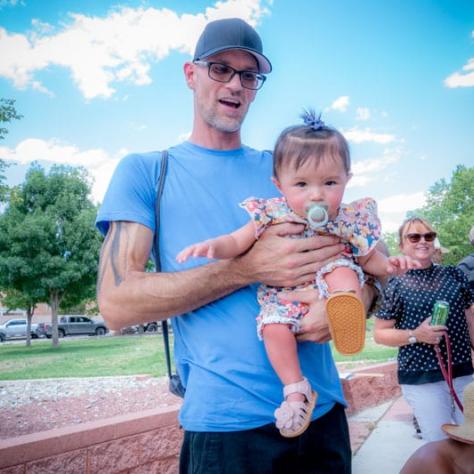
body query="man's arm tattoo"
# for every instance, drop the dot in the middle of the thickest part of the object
(110, 254)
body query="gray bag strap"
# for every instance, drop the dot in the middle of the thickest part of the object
(156, 248)
(175, 385)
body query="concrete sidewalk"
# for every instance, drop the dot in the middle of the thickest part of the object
(383, 438)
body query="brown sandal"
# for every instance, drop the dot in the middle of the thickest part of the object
(346, 318)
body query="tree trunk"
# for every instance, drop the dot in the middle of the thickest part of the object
(54, 303)
(29, 317)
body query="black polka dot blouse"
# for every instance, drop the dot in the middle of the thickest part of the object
(409, 299)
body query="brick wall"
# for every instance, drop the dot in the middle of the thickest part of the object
(149, 441)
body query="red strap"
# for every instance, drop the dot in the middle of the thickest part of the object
(448, 374)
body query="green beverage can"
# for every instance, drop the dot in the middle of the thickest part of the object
(440, 313)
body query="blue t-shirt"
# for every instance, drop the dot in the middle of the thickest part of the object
(230, 384)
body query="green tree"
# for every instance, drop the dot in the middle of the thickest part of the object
(48, 240)
(27, 299)
(450, 208)
(7, 114)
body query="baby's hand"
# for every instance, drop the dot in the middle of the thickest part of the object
(401, 264)
(202, 249)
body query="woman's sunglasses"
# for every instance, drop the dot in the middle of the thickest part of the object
(415, 237)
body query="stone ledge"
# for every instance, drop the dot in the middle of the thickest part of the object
(131, 443)
(370, 386)
(23, 449)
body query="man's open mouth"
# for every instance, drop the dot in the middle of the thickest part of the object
(230, 103)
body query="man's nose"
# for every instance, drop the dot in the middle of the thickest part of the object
(235, 83)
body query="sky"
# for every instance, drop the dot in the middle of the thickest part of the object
(97, 80)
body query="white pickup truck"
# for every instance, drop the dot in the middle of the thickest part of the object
(16, 328)
(76, 325)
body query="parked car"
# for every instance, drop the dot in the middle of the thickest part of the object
(75, 325)
(16, 328)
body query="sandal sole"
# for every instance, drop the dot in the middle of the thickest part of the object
(307, 419)
(346, 318)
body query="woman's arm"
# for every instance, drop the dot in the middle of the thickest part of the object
(385, 333)
(224, 246)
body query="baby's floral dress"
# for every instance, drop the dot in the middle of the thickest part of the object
(357, 224)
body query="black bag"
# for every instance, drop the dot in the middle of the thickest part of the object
(175, 385)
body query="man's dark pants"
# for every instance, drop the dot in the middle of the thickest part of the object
(323, 448)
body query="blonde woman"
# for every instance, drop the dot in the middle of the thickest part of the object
(404, 321)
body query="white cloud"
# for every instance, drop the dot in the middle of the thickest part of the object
(362, 113)
(357, 135)
(367, 171)
(393, 209)
(99, 163)
(341, 104)
(100, 52)
(11, 3)
(459, 79)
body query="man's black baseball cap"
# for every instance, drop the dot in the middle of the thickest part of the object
(231, 33)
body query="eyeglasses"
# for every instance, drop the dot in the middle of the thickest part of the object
(415, 237)
(223, 73)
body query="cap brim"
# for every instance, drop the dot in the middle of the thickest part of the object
(264, 65)
(459, 433)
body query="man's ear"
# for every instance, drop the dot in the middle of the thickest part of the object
(189, 72)
(349, 176)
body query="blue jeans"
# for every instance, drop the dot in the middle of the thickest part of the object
(324, 448)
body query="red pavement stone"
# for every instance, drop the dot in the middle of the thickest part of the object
(399, 411)
(359, 431)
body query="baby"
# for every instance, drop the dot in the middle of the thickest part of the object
(311, 168)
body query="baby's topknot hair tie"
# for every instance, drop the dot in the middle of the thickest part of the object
(312, 120)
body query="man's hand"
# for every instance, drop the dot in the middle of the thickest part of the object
(278, 260)
(314, 326)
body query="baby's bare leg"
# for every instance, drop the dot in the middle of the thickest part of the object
(343, 278)
(280, 344)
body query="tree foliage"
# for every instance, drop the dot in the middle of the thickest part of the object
(48, 244)
(7, 114)
(450, 208)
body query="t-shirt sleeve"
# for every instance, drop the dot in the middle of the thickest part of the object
(131, 194)
(359, 224)
(467, 291)
(392, 306)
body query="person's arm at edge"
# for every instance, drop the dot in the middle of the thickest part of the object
(129, 295)
(470, 323)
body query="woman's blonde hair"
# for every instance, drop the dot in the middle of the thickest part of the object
(409, 221)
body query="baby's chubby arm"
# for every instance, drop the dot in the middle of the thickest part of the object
(222, 247)
(377, 264)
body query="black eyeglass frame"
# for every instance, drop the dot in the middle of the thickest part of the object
(261, 78)
(415, 237)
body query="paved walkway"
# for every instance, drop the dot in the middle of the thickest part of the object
(383, 438)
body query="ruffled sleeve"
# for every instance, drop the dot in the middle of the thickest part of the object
(359, 224)
(264, 212)
(392, 303)
(467, 292)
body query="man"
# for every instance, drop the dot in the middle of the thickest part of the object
(467, 264)
(231, 389)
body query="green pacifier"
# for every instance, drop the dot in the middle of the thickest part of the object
(317, 215)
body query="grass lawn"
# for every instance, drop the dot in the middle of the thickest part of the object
(91, 357)
(121, 355)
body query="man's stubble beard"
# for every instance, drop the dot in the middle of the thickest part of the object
(220, 123)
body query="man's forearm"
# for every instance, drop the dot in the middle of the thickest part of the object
(142, 297)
